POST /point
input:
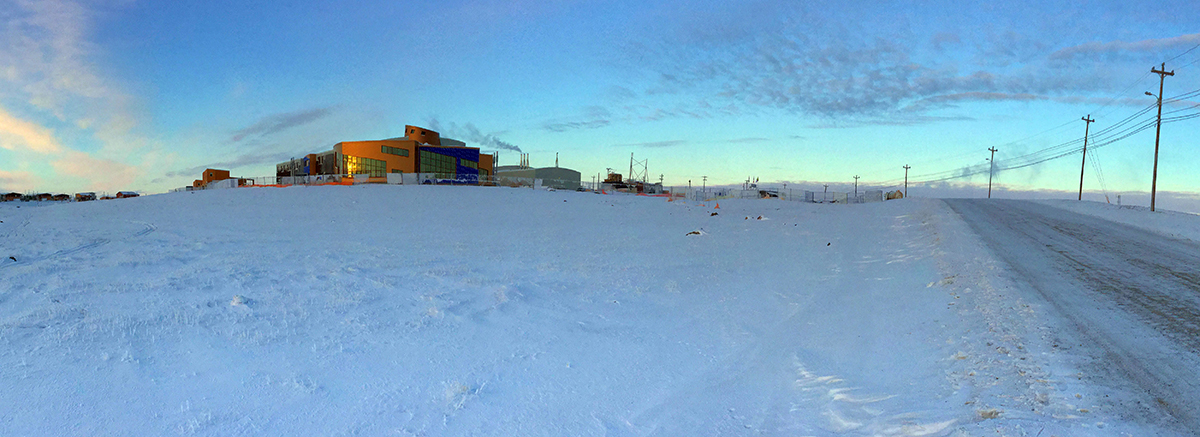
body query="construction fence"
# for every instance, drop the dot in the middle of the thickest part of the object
(784, 194)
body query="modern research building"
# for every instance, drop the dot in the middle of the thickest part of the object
(420, 151)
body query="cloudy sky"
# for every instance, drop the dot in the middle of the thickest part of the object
(138, 95)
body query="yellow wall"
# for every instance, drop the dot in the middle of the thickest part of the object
(374, 150)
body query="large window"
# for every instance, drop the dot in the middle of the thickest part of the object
(360, 165)
(395, 151)
(469, 164)
(436, 163)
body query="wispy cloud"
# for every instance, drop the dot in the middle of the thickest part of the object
(471, 134)
(18, 135)
(237, 162)
(819, 64)
(653, 144)
(18, 181)
(1119, 47)
(950, 100)
(50, 75)
(30, 139)
(748, 140)
(563, 126)
(593, 117)
(276, 123)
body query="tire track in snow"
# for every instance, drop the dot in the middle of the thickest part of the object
(147, 229)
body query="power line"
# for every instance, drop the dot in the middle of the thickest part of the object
(1125, 128)
(1181, 54)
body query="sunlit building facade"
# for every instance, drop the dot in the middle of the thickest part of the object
(419, 151)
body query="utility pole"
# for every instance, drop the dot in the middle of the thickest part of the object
(1162, 76)
(704, 184)
(1089, 121)
(856, 186)
(992, 160)
(906, 167)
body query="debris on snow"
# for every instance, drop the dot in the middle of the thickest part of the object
(990, 413)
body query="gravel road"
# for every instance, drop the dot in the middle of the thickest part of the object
(1129, 298)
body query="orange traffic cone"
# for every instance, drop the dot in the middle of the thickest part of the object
(718, 206)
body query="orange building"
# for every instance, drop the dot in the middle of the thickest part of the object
(213, 174)
(419, 151)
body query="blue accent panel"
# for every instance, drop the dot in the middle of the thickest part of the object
(464, 175)
(467, 154)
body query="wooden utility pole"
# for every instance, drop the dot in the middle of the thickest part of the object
(906, 167)
(1162, 76)
(991, 169)
(1089, 121)
(856, 186)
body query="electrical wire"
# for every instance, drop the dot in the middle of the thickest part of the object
(1123, 129)
(1181, 54)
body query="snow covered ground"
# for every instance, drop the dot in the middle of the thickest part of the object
(373, 310)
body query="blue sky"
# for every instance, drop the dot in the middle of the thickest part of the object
(129, 95)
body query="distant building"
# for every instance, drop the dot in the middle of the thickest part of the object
(84, 197)
(60, 198)
(126, 194)
(420, 150)
(211, 175)
(11, 197)
(554, 177)
(44, 196)
(614, 182)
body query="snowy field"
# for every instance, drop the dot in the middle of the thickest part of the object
(385, 310)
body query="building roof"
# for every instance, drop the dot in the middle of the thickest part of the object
(452, 142)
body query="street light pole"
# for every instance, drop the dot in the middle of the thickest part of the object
(906, 167)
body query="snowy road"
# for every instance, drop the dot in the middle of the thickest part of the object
(1129, 300)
